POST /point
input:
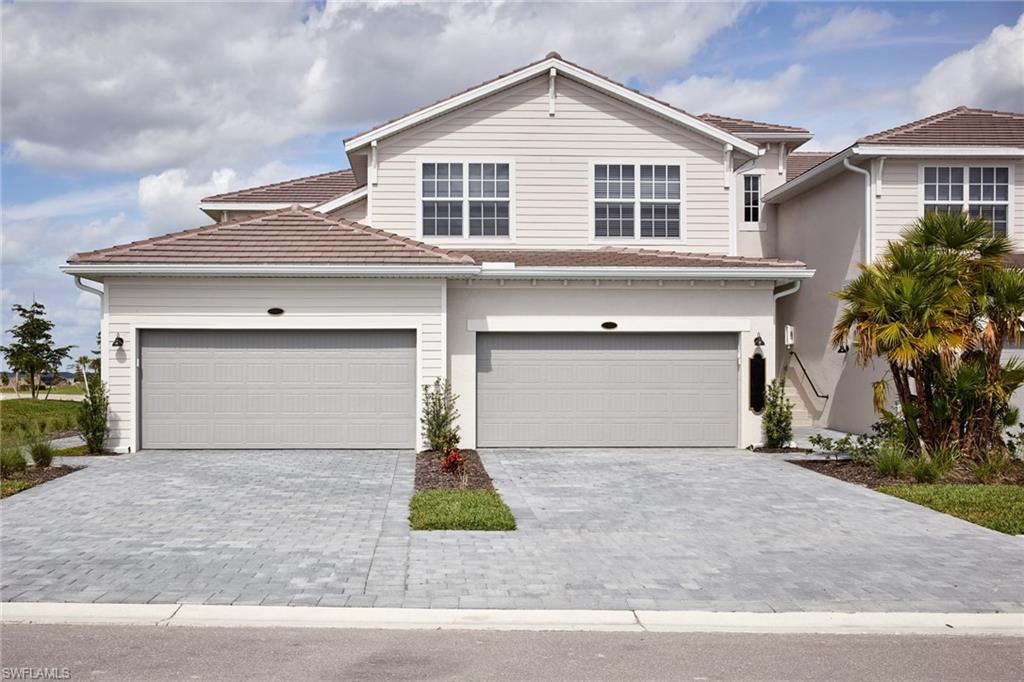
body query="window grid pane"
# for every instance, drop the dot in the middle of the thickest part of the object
(488, 180)
(659, 182)
(943, 184)
(613, 220)
(442, 180)
(659, 220)
(989, 184)
(994, 213)
(751, 198)
(614, 181)
(488, 219)
(442, 218)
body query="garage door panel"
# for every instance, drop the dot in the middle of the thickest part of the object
(278, 389)
(607, 389)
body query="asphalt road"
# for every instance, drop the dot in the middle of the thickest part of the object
(174, 653)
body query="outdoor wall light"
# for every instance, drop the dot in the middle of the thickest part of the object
(843, 348)
(118, 342)
(758, 341)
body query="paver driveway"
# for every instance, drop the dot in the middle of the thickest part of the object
(679, 529)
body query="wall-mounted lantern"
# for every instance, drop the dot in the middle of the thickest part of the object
(118, 342)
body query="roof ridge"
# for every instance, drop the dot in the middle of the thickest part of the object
(708, 114)
(214, 197)
(811, 152)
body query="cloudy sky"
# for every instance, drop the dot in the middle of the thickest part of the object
(117, 118)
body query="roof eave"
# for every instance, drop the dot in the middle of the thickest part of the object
(564, 68)
(881, 149)
(778, 137)
(252, 205)
(93, 270)
(641, 272)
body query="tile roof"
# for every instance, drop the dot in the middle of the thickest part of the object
(798, 163)
(287, 236)
(311, 189)
(738, 126)
(550, 55)
(960, 126)
(620, 256)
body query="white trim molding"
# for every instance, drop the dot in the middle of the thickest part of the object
(352, 197)
(564, 69)
(590, 323)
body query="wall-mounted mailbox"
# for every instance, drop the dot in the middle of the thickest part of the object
(757, 376)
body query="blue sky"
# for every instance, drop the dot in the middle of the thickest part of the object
(117, 118)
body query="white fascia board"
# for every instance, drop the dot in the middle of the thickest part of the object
(712, 273)
(782, 137)
(254, 270)
(801, 182)
(563, 69)
(252, 205)
(915, 150)
(344, 200)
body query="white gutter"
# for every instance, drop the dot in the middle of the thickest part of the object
(868, 228)
(486, 270)
(789, 291)
(922, 150)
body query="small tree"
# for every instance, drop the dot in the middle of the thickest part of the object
(92, 415)
(778, 416)
(439, 417)
(33, 351)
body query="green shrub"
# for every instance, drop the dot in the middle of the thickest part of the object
(991, 467)
(863, 450)
(924, 470)
(439, 417)
(12, 461)
(945, 458)
(42, 453)
(92, 416)
(778, 416)
(890, 460)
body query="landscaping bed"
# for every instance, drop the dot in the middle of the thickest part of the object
(786, 449)
(83, 451)
(56, 418)
(32, 477)
(446, 500)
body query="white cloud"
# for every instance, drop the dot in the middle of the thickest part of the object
(73, 203)
(733, 96)
(989, 75)
(126, 88)
(849, 27)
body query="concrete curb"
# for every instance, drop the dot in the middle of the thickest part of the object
(202, 615)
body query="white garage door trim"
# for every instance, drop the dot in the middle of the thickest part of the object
(712, 355)
(391, 433)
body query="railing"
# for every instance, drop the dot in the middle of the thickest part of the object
(807, 376)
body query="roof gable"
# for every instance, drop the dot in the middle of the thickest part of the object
(291, 235)
(962, 126)
(562, 68)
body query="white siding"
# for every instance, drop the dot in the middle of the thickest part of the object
(552, 157)
(900, 203)
(356, 212)
(229, 303)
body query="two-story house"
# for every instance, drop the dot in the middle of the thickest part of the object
(589, 266)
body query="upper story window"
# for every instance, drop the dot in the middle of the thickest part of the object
(620, 211)
(751, 198)
(458, 195)
(978, 190)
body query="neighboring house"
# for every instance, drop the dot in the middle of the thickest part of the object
(960, 160)
(588, 265)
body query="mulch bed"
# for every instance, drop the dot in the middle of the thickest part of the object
(781, 450)
(37, 475)
(430, 477)
(865, 475)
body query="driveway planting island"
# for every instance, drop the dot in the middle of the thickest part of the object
(713, 529)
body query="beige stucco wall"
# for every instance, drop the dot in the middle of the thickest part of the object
(551, 159)
(132, 304)
(824, 228)
(581, 306)
(759, 239)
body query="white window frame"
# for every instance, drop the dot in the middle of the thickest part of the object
(760, 175)
(636, 239)
(966, 202)
(465, 161)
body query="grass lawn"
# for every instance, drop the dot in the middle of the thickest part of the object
(18, 415)
(76, 451)
(13, 486)
(999, 507)
(459, 510)
(76, 389)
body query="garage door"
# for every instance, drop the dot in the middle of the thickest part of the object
(595, 390)
(278, 389)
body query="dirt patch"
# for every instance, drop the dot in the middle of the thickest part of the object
(429, 475)
(34, 476)
(865, 475)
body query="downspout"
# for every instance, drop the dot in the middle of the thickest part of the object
(868, 231)
(98, 292)
(782, 293)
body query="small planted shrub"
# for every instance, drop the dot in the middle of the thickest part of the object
(991, 467)
(42, 454)
(945, 458)
(92, 416)
(12, 461)
(924, 470)
(778, 416)
(440, 416)
(890, 460)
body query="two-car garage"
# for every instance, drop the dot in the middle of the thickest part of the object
(357, 389)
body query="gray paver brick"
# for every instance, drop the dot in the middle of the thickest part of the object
(666, 529)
